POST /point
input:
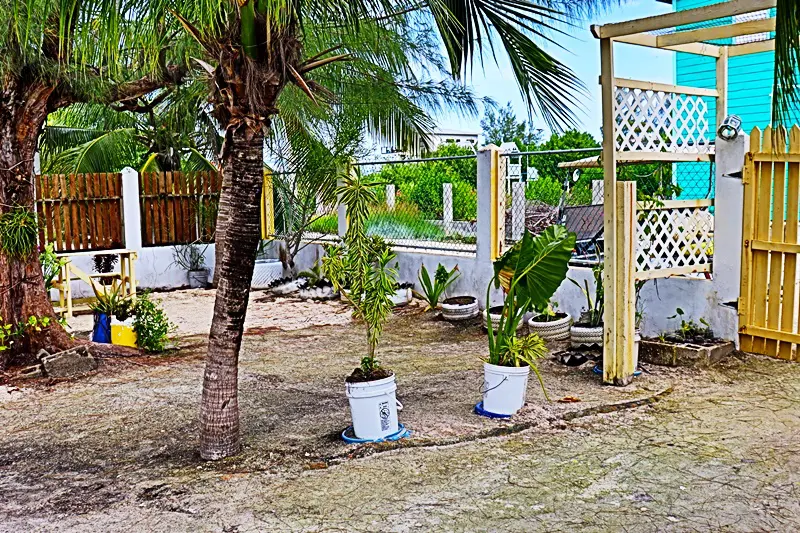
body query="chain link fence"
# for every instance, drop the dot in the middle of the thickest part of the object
(428, 204)
(566, 187)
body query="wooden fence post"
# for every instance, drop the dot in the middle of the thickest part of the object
(619, 368)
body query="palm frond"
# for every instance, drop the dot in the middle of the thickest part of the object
(786, 95)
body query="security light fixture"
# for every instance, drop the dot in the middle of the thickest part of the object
(730, 127)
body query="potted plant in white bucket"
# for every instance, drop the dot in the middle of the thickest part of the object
(403, 294)
(587, 332)
(362, 264)
(191, 258)
(551, 324)
(529, 274)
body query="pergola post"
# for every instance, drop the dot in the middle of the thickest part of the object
(609, 209)
(722, 85)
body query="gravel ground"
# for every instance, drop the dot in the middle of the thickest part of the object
(117, 451)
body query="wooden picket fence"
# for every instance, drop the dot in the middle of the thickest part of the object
(768, 310)
(178, 207)
(80, 211)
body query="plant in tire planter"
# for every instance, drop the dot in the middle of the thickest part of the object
(361, 264)
(550, 324)
(434, 289)
(588, 331)
(191, 258)
(529, 273)
(403, 294)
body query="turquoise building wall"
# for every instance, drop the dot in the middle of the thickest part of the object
(749, 96)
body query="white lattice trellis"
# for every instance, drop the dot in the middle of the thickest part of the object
(675, 239)
(657, 121)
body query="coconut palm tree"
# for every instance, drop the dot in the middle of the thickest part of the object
(786, 94)
(252, 50)
(55, 54)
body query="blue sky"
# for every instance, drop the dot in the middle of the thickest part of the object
(582, 55)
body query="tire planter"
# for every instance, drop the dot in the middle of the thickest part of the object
(460, 308)
(373, 408)
(198, 279)
(504, 388)
(265, 272)
(494, 314)
(401, 297)
(586, 337)
(122, 333)
(552, 330)
(318, 293)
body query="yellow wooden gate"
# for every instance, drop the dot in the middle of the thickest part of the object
(768, 310)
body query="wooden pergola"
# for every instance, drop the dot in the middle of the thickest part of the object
(632, 135)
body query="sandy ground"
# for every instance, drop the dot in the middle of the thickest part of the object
(191, 311)
(117, 451)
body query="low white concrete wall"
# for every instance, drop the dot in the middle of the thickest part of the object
(697, 298)
(473, 280)
(155, 269)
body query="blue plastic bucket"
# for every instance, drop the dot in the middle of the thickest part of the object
(102, 328)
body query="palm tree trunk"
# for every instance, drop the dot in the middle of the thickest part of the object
(23, 111)
(236, 250)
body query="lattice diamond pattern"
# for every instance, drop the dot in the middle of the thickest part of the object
(673, 238)
(655, 121)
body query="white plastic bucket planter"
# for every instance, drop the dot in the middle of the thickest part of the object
(373, 407)
(504, 388)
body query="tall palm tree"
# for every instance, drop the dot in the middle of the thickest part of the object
(54, 54)
(786, 94)
(252, 50)
(168, 130)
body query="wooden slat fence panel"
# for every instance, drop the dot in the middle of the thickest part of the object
(80, 211)
(178, 207)
(768, 314)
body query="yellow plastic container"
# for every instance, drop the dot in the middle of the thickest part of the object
(122, 333)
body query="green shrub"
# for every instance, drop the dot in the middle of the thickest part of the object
(580, 194)
(465, 201)
(325, 224)
(545, 189)
(151, 324)
(404, 222)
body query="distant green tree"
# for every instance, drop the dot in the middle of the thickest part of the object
(503, 126)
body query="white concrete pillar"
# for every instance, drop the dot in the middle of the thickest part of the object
(728, 205)
(598, 186)
(484, 269)
(131, 214)
(517, 210)
(341, 213)
(390, 196)
(37, 164)
(447, 203)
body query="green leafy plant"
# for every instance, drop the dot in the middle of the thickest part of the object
(19, 231)
(434, 289)
(9, 334)
(151, 324)
(51, 264)
(691, 330)
(111, 300)
(314, 275)
(544, 189)
(361, 264)
(104, 264)
(189, 257)
(593, 315)
(529, 274)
